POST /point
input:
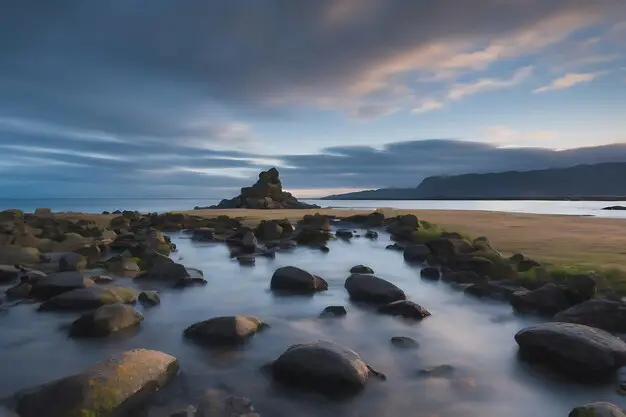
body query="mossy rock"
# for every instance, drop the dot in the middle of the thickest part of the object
(90, 297)
(149, 298)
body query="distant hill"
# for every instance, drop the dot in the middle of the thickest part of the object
(599, 181)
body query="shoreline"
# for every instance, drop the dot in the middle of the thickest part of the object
(435, 198)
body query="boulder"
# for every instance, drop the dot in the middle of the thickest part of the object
(247, 260)
(70, 242)
(334, 311)
(404, 308)
(430, 273)
(217, 403)
(495, 290)
(361, 269)
(546, 300)
(149, 298)
(109, 235)
(165, 272)
(89, 298)
(123, 265)
(64, 261)
(249, 242)
(600, 313)
(324, 366)
(19, 291)
(269, 230)
(13, 255)
(59, 283)
(599, 409)
(203, 234)
(395, 246)
(231, 330)
(449, 248)
(91, 252)
(26, 239)
(43, 212)
(105, 320)
(9, 273)
(439, 371)
(344, 234)
(371, 234)
(404, 342)
(464, 277)
(293, 279)
(581, 286)
(573, 347)
(110, 388)
(371, 289)
(416, 253)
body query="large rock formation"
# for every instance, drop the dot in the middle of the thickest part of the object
(266, 193)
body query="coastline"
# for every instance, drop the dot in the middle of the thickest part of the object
(441, 198)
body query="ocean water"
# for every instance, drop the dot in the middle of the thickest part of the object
(584, 208)
(473, 336)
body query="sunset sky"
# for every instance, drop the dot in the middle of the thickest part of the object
(131, 98)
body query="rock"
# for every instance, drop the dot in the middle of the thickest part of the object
(71, 242)
(247, 260)
(216, 403)
(324, 249)
(89, 298)
(91, 253)
(371, 234)
(449, 247)
(344, 234)
(582, 287)
(123, 265)
(323, 366)
(172, 272)
(602, 314)
(371, 289)
(269, 230)
(232, 330)
(361, 269)
(334, 311)
(440, 371)
(599, 409)
(404, 342)
(292, 279)
(43, 212)
(13, 254)
(495, 290)
(249, 242)
(19, 291)
(430, 273)
(203, 234)
(404, 308)
(59, 283)
(26, 239)
(395, 246)
(108, 388)
(149, 298)
(615, 208)
(109, 235)
(66, 261)
(548, 300)
(105, 320)
(464, 277)
(416, 253)
(102, 279)
(9, 273)
(374, 219)
(573, 347)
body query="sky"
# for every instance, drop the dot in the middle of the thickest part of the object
(163, 98)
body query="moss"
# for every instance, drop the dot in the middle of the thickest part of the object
(424, 235)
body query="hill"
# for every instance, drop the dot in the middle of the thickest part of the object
(600, 181)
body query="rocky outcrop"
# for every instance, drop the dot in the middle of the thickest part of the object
(573, 347)
(112, 387)
(219, 331)
(266, 193)
(322, 366)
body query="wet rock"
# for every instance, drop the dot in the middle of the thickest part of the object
(203, 234)
(371, 289)
(344, 234)
(404, 308)
(269, 230)
(323, 366)
(334, 311)
(89, 298)
(19, 291)
(602, 314)
(599, 409)
(464, 277)
(395, 246)
(416, 253)
(9, 273)
(172, 272)
(324, 249)
(495, 290)
(59, 283)
(430, 273)
(217, 403)
(573, 348)
(546, 300)
(106, 320)
(109, 388)
(232, 330)
(371, 234)
(249, 242)
(440, 371)
(404, 342)
(149, 298)
(247, 260)
(361, 269)
(293, 279)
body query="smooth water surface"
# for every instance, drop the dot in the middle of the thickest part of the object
(474, 336)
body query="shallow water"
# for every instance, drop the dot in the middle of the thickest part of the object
(474, 336)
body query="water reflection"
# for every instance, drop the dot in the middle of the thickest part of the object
(473, 336)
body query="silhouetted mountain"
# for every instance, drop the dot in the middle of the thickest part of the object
(581, 181)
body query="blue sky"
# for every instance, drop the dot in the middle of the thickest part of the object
(160, 98)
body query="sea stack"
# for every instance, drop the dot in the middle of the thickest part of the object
(266, 193)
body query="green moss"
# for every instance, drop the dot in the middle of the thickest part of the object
(424, 235)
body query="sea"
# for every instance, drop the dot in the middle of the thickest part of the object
(149, 205)
(475, 337)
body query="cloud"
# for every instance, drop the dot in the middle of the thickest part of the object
(459, 91)
(428, 105)
(503, 136)
(570, 80)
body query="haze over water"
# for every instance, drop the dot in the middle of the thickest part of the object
(474, 336)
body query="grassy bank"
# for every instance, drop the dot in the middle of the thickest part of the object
(566, 244)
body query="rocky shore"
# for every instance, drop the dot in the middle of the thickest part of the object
(58, 264)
